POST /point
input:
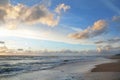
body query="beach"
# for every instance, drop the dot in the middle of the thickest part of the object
(107, 67)
(59, 39)
(73, 70)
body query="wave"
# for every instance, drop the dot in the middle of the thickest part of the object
(12, 65)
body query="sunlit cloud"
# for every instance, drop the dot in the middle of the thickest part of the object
(108, 45)
(104, 48)
(61, 7)
(13, 15)
(98, 28)
(108, 49)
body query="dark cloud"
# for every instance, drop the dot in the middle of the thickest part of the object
(116, 18)
(4, 2)
(2, 14)
(99, 42)
(115, 40)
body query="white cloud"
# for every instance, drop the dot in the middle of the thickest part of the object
(61, 7)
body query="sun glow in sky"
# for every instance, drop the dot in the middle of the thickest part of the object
(60, 24)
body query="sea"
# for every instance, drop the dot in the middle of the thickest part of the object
(14, 65)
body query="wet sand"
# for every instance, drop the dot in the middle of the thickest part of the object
(106, 71)
(102, 76)
(109, 67)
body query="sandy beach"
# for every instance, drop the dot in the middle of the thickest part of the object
(106, 71)
(109, 67)
(72, 71)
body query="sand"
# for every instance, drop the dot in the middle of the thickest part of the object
(106, 71)
(103, 76)
(107, 67)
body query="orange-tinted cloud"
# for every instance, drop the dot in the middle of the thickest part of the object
(98, 28)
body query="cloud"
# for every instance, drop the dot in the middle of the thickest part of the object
(115, 40)
(4, 2)
(99, 49)
(116, 18)
(99, 42)
(16, 14)
(24, 14)
(40, 14)
(109, 45)
(108, 49)
(2, 14)
(61, 7)
(104, 48)
(98, 28)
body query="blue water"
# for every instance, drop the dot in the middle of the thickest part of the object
(13, 65)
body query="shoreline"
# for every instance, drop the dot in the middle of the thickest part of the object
(72, 71)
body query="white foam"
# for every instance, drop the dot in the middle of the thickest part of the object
(58, 73)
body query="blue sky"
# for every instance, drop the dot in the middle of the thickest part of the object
(59, 24)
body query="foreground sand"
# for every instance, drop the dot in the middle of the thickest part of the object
(106, 71)
(109, 67)
(103, 76)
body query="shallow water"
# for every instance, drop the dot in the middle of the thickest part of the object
(13, 65)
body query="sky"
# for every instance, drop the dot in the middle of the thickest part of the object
(76, 25)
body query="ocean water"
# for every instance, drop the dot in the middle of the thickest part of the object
(14, 65)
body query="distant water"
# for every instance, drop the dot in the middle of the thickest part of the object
(13, 65)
